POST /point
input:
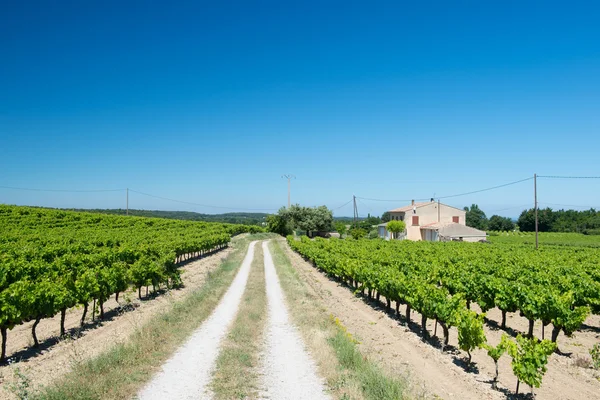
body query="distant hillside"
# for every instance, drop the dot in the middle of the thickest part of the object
(231, 218)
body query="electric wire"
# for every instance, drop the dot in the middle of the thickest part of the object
(344, 205)
(63, 190)
(565, 205)
(201, 205)
(567, 177)
(510, 208)
(454, 195)
(485, 190)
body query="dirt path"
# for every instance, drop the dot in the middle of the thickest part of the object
(56, 357)
(186, 374)
(288, 371)
(442, 374)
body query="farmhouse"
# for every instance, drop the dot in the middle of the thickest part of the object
(432, 221)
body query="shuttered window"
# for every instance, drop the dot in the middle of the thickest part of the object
(455, 219)
(415, 220)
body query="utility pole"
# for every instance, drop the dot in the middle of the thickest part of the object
(127, 209)
(536, 208)
(289, 177)
(355, 220)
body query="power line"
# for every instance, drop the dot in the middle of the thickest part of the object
(62, 190)
(369, 208)
(344, 205)
(510, 208)
(566, 205)
(394, 200)
(201, 205)
(485, 190)
(568, 177)
(454, 195)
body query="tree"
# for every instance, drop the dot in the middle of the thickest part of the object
(396, 227)
(546, 219)
(309, 219)
(358, 233)
(498, 223)
(341, 228)
(279, 224)
(476, 218)
(368, 223)
(385, 217)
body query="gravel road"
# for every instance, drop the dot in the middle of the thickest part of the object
(288, 372)
(187, 373)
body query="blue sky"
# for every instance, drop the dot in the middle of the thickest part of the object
(211, 103)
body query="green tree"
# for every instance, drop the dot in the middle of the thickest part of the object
(546, 219)
(341, 228)
(358, 233)
(476, 218)
(309, 219)
(498, 223)
(279, 223)
(385, 217)
(396, 227)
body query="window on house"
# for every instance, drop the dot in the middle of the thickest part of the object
(455, 219)
(415, 220)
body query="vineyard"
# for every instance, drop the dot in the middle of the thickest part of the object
(51, 261)
(546, 238)
(554, 285)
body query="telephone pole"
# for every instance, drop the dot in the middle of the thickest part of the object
(289, 177)
(355, 211)
(536, 208)
(127, 205)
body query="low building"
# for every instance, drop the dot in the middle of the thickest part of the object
(450, 231)
(432, 221)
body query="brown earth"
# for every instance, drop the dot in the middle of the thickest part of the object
(402, 349)
(55, 357)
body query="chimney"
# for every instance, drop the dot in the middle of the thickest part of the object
(413, 203)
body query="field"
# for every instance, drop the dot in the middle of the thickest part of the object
(51, 261)
(111, 307)
(545, 238)
(477, 288)
(104, 306)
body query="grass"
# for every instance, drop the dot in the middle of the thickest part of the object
(349, 374)
(374, 382)
(236, 374)
(121, 371)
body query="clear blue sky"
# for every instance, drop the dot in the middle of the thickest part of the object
(213, 103)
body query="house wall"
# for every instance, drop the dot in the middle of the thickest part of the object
(383, 233)
(428, 214)
(447, 212)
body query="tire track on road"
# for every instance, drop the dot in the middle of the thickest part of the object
(288, 371)
(188, 372)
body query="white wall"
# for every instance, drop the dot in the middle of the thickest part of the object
(428, 214)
